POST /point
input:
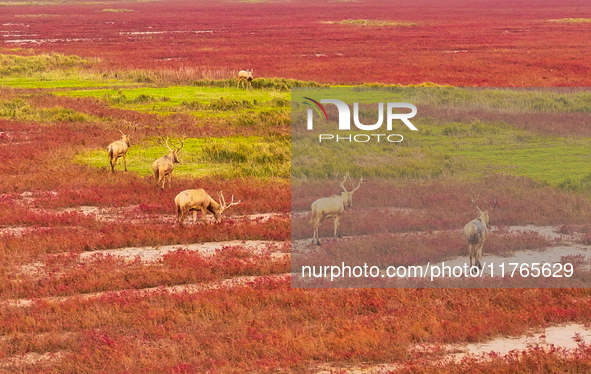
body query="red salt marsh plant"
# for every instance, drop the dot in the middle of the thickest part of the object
(521, 200)
(42, 165)
(121, 234)
(66, 276)
(412, 249)
(466, 44)
(531, 360)
(269, 326)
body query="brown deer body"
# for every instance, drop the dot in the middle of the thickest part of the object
(194, 200)
(164, 166)
(476, 232)
(332, 207)
(118, 149)
(245, 78)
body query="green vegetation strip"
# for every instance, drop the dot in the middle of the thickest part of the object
(571, 20)
(366, 22)
(462, 150)
(239, 107)
(19, 109)
(494, 100)
(231, 157)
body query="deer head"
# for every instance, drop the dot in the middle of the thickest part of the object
(348, 195)
(173, 152)
(484, 214)
(223, 206)
(126, 138)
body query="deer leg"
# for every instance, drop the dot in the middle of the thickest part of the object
(125, 161)
(112, 165)
(182, 215)
(315, 238)
(470, 255)
(316, 226)
(336, 227)
(204, 216)
(194, 216)
(162, 178)
(478, 255)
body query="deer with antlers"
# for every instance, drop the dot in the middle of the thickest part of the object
(194, 200)
(332, 207)
(245, 78)
(476, 232)
(164, 166)
(119, 149)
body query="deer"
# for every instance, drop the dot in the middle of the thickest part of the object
(194, 200)
(476, 232)
(164, 166)
(332, 207)
(119, 149)
(245, 78)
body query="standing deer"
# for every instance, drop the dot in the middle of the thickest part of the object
(193, 200)
(332, 207)
(119, 149)
(164, 166)
(476, 232)
(244, 78)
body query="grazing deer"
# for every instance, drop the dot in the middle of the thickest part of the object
(332, 207)
(245, 78)
(476, 232)
(164, 166)
(193, 200)
(119, 149)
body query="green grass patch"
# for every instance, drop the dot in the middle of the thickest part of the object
(22, 65)
(571, 20)
(463, 150)
(495, 100)
(117, 10)
(19, 109)
(55, 80)
(366, 22)
(231, 157)
(199, 101)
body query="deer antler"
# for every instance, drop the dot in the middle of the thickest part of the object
(342, 184)
(223, 201)
(474, 203)
(129, 126)
(164, 142)
(359, 185)
(496, 202)
(182, 144)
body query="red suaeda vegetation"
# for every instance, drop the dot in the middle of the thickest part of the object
(64, 275)
(265, 325)
(411, 249)
(459, 42)
(395, 206)
(269, 326)
(532, 360)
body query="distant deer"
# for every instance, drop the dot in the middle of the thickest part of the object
(194, 200)
(332, 207)
(245, 78)
(164, 166)
(119, 149)
(476, 232)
